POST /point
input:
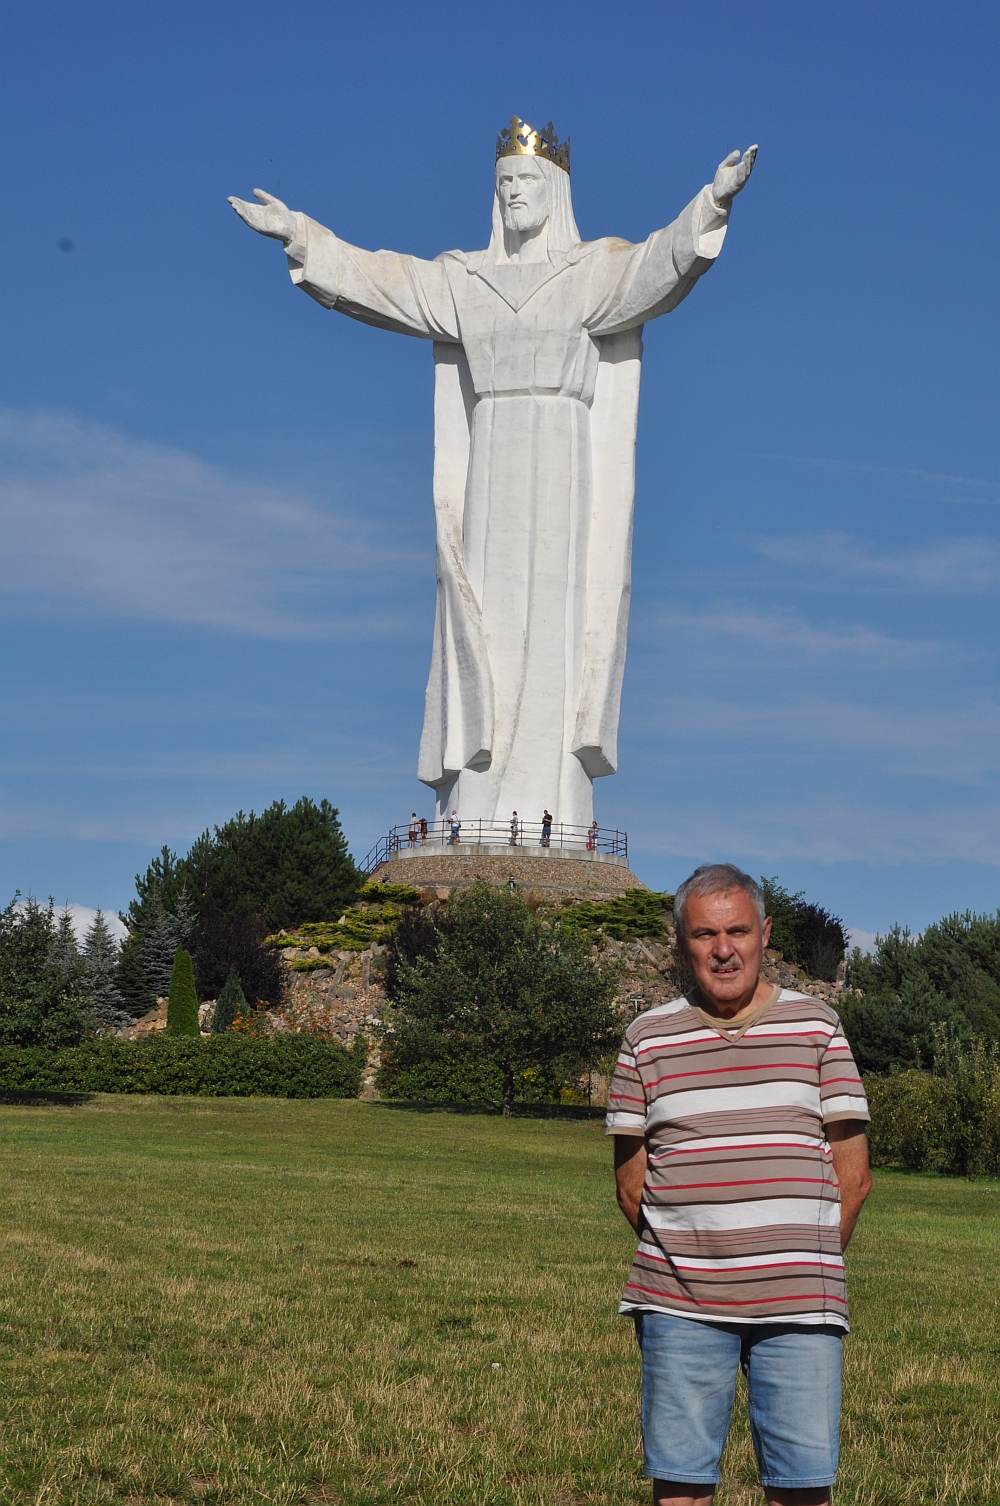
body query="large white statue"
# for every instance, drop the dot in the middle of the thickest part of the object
(537, 350)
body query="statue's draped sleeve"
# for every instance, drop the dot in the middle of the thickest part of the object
(651, 279)
(384, 288)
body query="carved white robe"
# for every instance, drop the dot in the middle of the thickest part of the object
(536, 397)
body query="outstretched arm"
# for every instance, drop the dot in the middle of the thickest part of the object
(269, 217)
(383, 288)
(657, 275)
(731, 176)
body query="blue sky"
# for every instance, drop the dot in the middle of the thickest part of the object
(216, 542)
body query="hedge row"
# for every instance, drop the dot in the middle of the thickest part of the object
(922, 1122)
(459, 1082)
(220, 1066)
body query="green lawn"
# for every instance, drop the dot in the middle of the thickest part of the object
(249, 1301)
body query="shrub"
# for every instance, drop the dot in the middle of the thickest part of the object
(948, 1120)
(182, 1005)
(915, 1122)
(462, 1082)
(637, 913)
(222, 1066)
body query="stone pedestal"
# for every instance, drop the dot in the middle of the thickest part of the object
(551, 874)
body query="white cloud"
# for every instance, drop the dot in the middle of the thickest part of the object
(782, 830)
(865, 940)
(93, 519)
(83, 919)
(949, 567)
(784, 637)
(907, 481)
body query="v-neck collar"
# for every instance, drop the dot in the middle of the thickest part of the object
(742, 1025)
(517, 296)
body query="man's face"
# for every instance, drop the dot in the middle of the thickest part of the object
(725, 942)
(523, 193)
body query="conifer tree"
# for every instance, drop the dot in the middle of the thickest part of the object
(182, 1006)
(182, 916)
(158, 943)
(64, 952)
(41, 1003)
(231, 1002)
(100, 962)
(132, 980)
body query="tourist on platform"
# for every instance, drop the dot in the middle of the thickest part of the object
(741, 1163)
(592, 832)
(423, 831)
(456, 827)
(546, 829)
(414, 831)
(514, 824)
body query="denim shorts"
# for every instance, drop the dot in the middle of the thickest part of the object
(689, 1380)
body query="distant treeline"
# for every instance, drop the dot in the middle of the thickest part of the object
(246, 878)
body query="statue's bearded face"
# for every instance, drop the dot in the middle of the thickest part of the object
(523, 194)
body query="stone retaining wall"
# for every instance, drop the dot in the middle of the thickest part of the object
(550, 877)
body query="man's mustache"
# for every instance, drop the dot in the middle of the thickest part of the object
(724, 965)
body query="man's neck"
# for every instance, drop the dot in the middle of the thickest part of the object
(735, 1010)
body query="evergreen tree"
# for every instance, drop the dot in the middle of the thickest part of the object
(230, 1003)
(158, 944)
(911, 985)
(182, 916)
(805, 934)
(164, 879)
(182, 1008)
(283, 867)
(132, 980)
(64, 952)
(41, 1002)
(100, 962)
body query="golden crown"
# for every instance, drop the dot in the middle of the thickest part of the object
(519, 139)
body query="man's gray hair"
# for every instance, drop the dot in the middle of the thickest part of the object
(715, 878)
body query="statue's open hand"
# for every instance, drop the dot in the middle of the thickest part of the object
(732, 175)
(269, 217)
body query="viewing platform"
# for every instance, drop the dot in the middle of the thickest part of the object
(569, 862)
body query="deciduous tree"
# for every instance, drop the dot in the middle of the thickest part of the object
(495, 984)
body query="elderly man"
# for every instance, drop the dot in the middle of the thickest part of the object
(742, 1164)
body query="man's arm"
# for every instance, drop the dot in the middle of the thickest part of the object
(630, 1175)
(849, 1145)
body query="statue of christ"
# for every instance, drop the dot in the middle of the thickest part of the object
(537, 350)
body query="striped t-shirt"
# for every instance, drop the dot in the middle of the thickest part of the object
(741, 1208)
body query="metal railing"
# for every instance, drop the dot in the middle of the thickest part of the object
(534, 834)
